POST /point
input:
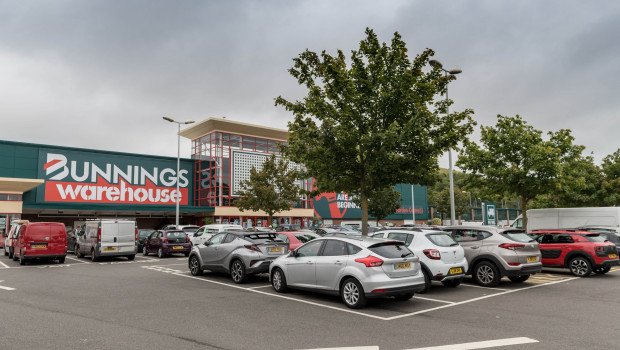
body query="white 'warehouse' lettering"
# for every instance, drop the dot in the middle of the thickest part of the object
(117, 193)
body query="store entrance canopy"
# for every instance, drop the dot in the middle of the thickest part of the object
(14, 185)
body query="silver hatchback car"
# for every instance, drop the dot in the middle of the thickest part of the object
(356, 268)
(495, 252)
(238, 253)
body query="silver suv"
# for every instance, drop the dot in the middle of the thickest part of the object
(496, 252)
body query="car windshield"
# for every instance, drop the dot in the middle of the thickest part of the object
(442, 239)
(190, 229)
(517, 236)
(305, 236)
(391, 250)
(176, 234)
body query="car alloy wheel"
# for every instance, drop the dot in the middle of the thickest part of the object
(160, 253)
(194, 266)
(486, 274)
(580, 267)
(278, 281)
(237, 272)
(353, 294)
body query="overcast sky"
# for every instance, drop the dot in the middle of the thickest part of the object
(102, 74)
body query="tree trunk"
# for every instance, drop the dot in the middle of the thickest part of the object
(524, 212)
(364, 202)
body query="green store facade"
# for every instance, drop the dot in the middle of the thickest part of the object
(71, 185)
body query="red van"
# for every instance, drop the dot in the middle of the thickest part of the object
(41, 240)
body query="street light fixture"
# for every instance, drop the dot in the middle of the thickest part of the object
(437, 64)
(178, 197)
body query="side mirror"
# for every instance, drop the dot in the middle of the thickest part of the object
(293, 253)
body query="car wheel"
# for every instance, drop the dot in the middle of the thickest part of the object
(519, 279)
(237, 272)
(61, 260)
(486, 274)
(404, 297)
(160, 253)
(6, 253)
(75, 250)
(278, 281)
(22, 261)
(93, 257)
(194, 266)
(352, 294)
(452, 283)
(427, 282)
(580, 266)
(144, 252)
(79, 253)
(11, 254)
(131, 257)
(602, 270)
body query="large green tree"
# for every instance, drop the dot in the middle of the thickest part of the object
(271, 189)
(514, 160)
(610, 187)
(374, 123)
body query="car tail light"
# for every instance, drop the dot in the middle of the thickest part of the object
(187, 239)
(432, 254)
(99, 235)
(136, 234)
(512, 246)
(599, 249)
(165, 239)
(252, 247)
(370, 261)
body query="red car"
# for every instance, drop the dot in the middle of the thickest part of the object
(296, 238)
(40, 240)
(580, 251)
(164, 242)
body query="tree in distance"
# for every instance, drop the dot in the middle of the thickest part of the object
(383, 203)
(514, 159)
(441, 201)
(371, 124)
(272, 189)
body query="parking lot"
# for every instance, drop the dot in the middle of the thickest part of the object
(156, 303)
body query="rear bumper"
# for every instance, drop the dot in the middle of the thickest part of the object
(43, 256)
(260, 266)
(609, 263)
(395, 291)
(527, 270)
(169, 248)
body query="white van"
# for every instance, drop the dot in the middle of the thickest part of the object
(566, 218)
(207, 231)
(101, 238)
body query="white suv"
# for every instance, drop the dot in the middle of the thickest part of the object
(441, 257)
(207, 231)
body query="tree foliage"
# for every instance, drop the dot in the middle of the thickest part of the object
(383, 203)
(514, 159)
(271, 189)
(441, 201)
(365, 127)
(610, 186)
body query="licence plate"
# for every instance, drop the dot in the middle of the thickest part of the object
(532, 259)
(275, 250)
(400, 266)
(38, 246)
(177, 247)
(612, 256)
(107, 249)
(456, 270)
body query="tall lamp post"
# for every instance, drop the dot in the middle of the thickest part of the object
(178, 197)
(437, 64)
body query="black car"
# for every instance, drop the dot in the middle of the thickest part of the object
(142, 235)
(609, 233)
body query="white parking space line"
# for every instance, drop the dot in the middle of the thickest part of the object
(4, 265)
(6, 288)
(269, 285)
(482, 344)
(78, 260)
(476, 299)
(475, 286)
(435, 300)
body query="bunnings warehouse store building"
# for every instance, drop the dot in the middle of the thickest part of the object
(70, 185)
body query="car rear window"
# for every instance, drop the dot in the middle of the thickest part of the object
(261, 237)
(176, 234)
(305, 237)
(441, 239)
(390, 250)
(596, 238)
(190, 229)
(518, 236)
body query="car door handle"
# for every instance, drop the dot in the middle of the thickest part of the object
(114, 239)
(476, 247)
(309, 262)
(338, 262)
